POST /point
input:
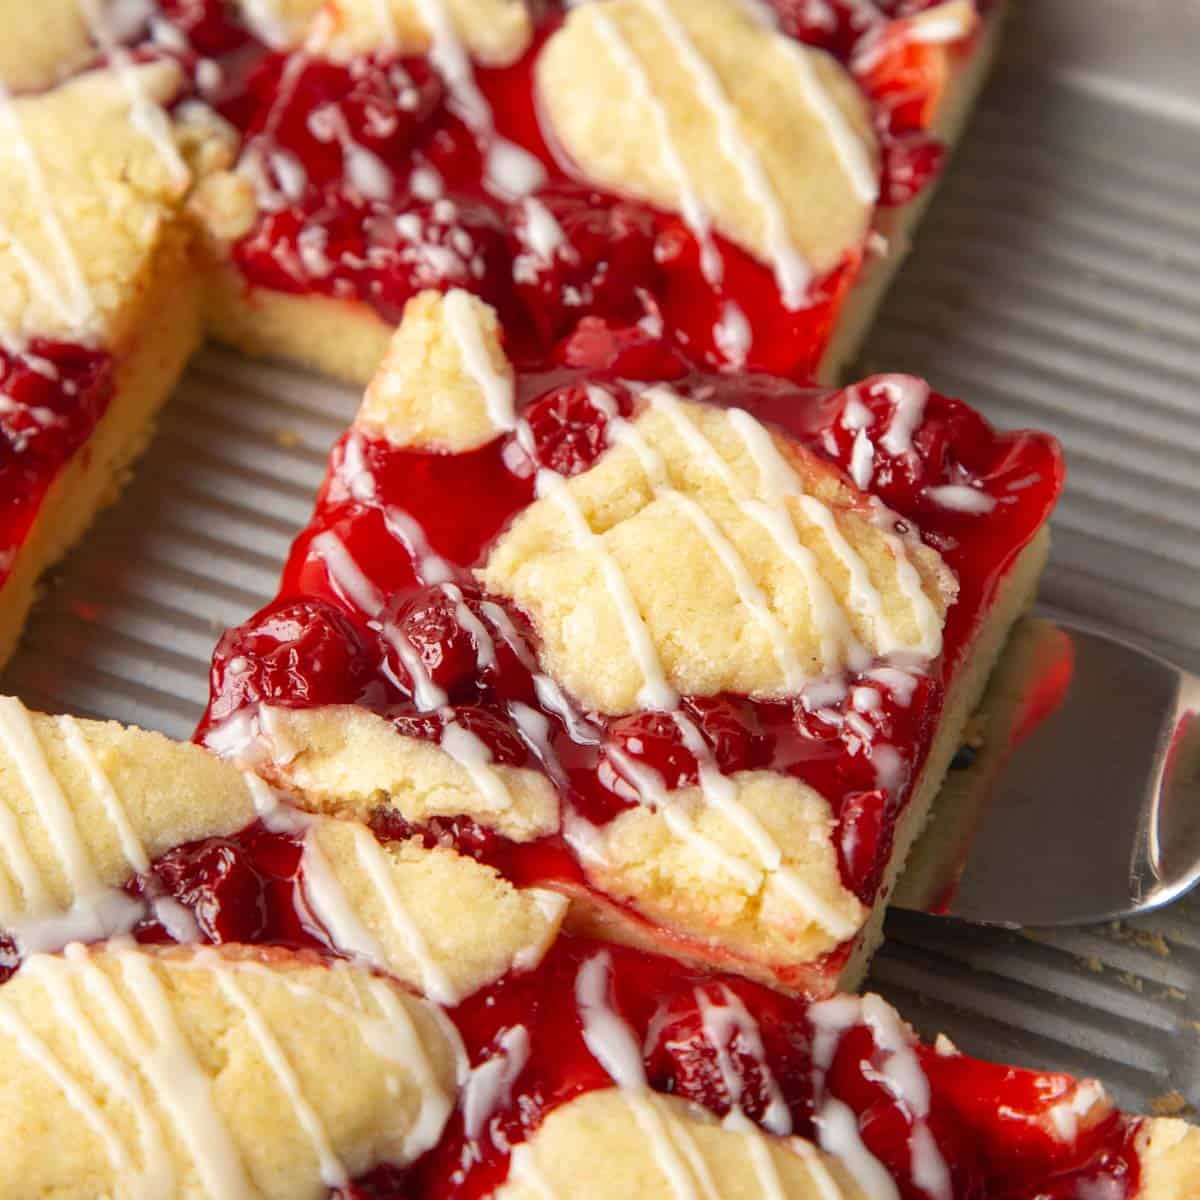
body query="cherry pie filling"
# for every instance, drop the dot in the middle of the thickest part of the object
(861, 746)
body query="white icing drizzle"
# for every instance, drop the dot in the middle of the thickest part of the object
(614, 1047)
(862, 460)
(848, 147)
(818, 1172)
(377, 867)
(450, 58)
(333, 1173)
(489, 1086)
(655, 692)
(722, 1023)
(792, 274)
(497, 388)
(146, 115)
(157, 1175)
(102, 788)
(779, 481)
(690, 205)
(473, 755)
(394, 1036)
(909, 395)
(346, 575)
(543, 234)
(74, 302)
(961, 498)
(326, 903)
(184, 1092)
(96, 910)
(38, 1053)
(900, 1072)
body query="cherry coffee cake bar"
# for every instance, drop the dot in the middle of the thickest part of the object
(735, 179)
(216, 993)
(694, 650)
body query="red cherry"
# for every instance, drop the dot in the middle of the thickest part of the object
(428, 622)
(500, 738)
(654, 740)
(216, 880)
(570, 425)
(863, 841)
(910, 162)
(604, 260)
(208, 25)
(732, 730)
(299, 653)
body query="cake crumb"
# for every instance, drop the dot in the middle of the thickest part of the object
(1154, 942)
(1093, 964)
(1132, 981)
(1171, 1104)
(287, 438)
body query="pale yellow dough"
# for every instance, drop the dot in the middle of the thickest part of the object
(79, 233)
(42, 42)
(766, 917)
(167, 792)
(424, 394)
(471, 924)
(633, 1141)
(1170, 1160)
(706, 634)
(345, 760)
(261, 1040)
(795, 109)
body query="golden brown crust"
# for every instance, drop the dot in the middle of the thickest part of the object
(212, 1072)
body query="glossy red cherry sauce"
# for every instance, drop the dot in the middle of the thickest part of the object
(716, 1039)
(860, 747)
(52, 395)
(993, 1127)
(373, 187)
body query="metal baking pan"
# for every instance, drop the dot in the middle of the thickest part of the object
(1055, 282)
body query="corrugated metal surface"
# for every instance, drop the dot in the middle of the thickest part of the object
(1056, 283)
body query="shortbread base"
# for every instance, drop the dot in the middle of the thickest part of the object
(167, 333)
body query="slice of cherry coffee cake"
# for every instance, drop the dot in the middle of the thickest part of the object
(693, 650)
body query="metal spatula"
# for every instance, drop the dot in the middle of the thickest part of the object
(1082, 802)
